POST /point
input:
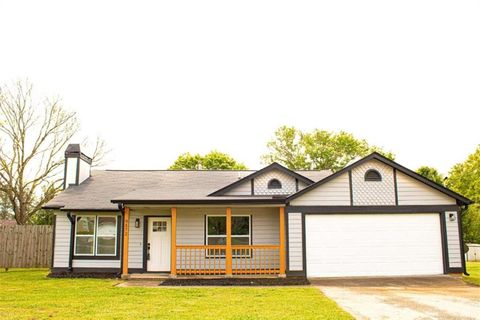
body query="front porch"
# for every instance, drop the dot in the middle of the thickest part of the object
(205, 242)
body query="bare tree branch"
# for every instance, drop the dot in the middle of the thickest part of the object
(32, 139)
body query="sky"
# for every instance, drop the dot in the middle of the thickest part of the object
(159, 78)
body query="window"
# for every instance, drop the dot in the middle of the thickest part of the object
(216, 232)
(96, 236)
(274, 184)
(159, 226)
(106, 236)
(373, 175)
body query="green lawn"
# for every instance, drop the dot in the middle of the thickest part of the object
(28, 294)
(473, 268)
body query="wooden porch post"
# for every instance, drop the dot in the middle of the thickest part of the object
(173, 249)
(282, 240)
(126, 220)
(228, 254)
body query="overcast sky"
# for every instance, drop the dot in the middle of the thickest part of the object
(159, 78)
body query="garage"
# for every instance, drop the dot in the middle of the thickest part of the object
(339, 245)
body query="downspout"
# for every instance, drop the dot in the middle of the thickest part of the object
(122, 211)
(462, 210)
(72, 235)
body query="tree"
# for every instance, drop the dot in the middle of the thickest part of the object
(33, 136)
(464, 178)
(5, 208)
(431, 174)
(214, 160)
(317, 150)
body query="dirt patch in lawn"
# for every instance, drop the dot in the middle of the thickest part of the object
(254, 282)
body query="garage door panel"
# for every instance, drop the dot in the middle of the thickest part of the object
(373, 244)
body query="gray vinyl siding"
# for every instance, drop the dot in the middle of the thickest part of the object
(295, 241)
(453, 241)
(191, 231)
(62, 241)
(243, 189)
(135, 237)
(96, 264)
(333, 193)
(191, 228)
(413, 192)
(62, 245)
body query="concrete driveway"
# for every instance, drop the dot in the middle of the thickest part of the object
(438, 297)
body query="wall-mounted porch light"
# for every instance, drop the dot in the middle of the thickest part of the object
(137, 223)
(452, 217)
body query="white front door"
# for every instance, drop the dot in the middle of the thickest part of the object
(158, 244)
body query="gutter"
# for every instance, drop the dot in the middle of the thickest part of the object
(122, 211)
(72, 240)
(462, 211)
(203, 201)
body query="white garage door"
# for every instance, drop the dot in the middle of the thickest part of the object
(373, 244)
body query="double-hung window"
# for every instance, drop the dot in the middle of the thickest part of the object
(96, 236)
(216, 233)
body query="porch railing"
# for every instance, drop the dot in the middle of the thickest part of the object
(211, 259)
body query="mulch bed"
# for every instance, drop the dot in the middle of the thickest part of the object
(262, 282)
(97, 275)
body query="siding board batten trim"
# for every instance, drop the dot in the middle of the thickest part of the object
(395, 185)
(443, 232)
(77, 177)
(462, 245)
(350, 185)
(281, 211)
(304, 245)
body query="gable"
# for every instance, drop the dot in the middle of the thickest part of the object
(289, 185)
(369, 193)
(375, 181)
(289, 180)
(413, 192)
(335, 192)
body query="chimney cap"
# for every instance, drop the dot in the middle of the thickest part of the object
(73, 151)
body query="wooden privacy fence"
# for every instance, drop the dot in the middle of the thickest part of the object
(26, 246)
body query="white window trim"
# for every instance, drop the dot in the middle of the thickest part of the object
(98, 235)
(85, 235)
(94, 254)
(249, 236)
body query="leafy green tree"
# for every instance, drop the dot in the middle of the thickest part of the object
(214, 160)
(464, 178)
(317, 150)
(431, 174)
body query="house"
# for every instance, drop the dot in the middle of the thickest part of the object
(373, 218)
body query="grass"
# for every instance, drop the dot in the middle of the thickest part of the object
(28, 294)
(473, 268)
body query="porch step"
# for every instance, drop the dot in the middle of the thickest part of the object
(148, 276)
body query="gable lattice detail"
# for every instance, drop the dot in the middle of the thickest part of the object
(373, 192)
(287, 181)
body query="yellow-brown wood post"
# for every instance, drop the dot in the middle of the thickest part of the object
(282, 240)
(126, 220)
(173, 249)
(228, 254)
